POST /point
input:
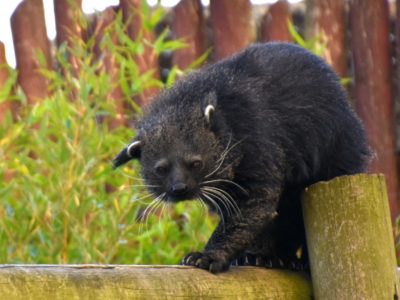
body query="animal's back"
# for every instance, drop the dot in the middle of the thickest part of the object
(282, 92)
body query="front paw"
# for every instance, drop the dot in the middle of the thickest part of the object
(214, 262)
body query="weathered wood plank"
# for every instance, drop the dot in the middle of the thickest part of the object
(148, 282)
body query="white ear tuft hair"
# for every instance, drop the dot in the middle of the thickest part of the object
(131, 146)
(208, 112)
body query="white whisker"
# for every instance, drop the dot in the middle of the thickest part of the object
(145, 214)
(228, 198)
(215, 204)
(224, 154)
(227, 181)
(221, 199)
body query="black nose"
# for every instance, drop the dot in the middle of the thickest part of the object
(179, 188)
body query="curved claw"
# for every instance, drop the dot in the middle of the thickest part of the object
(209, 261)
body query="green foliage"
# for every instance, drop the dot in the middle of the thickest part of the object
(316, 44)
(60, 200)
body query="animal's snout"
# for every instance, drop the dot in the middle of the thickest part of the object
(179, 189)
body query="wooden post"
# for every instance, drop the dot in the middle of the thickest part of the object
(397, 94)
(232, 26)
(373, 90)
(274, 24)
(349, 238)
(188, 25)
(148, 60)
(327, 20)
(5, 106)
(148, 282)
(109, 64)
(67, 14)
(30, 37)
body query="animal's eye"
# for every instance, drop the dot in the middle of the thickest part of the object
(197, 164)
(161, 170)
(162, 167)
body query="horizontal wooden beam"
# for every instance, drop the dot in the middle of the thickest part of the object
(148, 282)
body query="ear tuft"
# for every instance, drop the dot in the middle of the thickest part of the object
(128, 153)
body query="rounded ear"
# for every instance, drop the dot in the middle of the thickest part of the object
(133, 149)
(130, 152)
(208, 111)
(209, 104)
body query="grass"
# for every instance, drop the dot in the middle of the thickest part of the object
(60, 200)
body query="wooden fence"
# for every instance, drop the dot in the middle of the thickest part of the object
(360, 43)
(346, 220)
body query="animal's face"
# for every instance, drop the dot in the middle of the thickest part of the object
(180, 156)
(176, 165)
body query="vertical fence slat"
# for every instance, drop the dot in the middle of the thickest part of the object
(232, 25)
(397, 97)
(5, 106)
(109, 64)
(148, 60)
(188, 24)
(67, 14)
(30, 37)
(373, 91)
(274, 25)
(327, 20)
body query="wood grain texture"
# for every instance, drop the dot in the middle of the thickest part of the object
(148, 282)
(349, 237)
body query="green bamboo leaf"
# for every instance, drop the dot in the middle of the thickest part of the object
(295, 35)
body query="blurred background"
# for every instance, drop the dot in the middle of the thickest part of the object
(75, 74)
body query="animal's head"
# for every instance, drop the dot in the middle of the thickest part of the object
(182, 146)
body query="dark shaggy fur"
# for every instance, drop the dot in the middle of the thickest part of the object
(278, 122)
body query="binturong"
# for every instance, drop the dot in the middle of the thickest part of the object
(246, 136)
